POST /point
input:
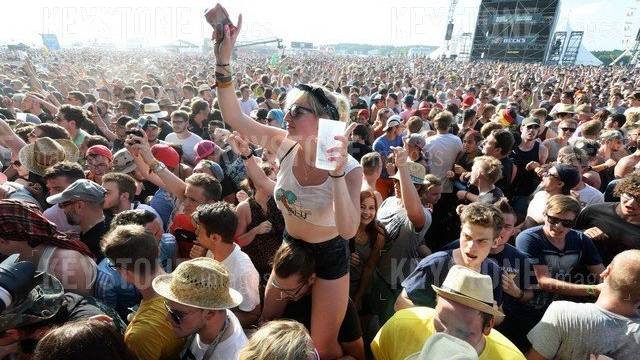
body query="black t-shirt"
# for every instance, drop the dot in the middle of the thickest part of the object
(202, 131)
(77, 307)
(358, 150)
(300, 311)
(148, 189)
(165, 129)
(505, 181)
(92, 239)
(621, 235)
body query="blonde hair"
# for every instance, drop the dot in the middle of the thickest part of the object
(339, 101)
(280, 339)
(491, 167)
(559, 204)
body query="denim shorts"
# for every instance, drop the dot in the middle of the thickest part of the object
(331, 256)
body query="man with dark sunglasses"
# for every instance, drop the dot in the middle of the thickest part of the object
(527, 156)
(566, 129)
(556, 251)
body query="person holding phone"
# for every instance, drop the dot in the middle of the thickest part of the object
(320, 207)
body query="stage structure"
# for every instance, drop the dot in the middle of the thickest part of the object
(518, 31)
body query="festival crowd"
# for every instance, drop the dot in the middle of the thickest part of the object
(169, 206)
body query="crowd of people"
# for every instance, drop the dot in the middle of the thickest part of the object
(169, 206)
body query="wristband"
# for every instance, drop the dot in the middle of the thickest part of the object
(339, 176)
(224, 79)
(591, 290)
(251, 154)
(222, 65)
(223, 85)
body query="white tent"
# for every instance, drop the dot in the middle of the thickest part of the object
(584, 57)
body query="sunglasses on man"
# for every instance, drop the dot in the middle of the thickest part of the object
(568, 224)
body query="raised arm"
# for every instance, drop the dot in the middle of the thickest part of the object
(240, 146)
(409, 194)
(267, 136)
(140, 146)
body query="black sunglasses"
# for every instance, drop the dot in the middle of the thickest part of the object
(568, 129)
(176, 315)
(297, 111)
(565, 223)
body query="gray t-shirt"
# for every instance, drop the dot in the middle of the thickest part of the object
(401, 257)
(571, 331)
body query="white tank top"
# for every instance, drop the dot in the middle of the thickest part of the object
(313, 204)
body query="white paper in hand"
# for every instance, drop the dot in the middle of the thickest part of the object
(327, 130)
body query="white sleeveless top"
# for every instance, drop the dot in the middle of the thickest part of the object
(313, 204)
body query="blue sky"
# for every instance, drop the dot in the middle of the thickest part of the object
(401, 22)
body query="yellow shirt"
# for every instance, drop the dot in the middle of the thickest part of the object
(407, 331)
(150, 335)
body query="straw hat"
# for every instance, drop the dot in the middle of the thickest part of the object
(444, 346)
(201, 283)
(469, 288)
(46, 152)
(417, 172)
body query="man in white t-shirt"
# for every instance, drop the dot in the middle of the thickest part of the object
(443, 148)
(610, 327)
(247, 103)
(182, 136)
(215, 229)
(198, 299)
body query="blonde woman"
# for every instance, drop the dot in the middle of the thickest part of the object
(280, 339)
(321, 208)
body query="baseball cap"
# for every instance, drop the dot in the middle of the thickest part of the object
(393, 121)
(416, 140)
(100, 150)
(468, 101)
(81, 189)
(203, 149)
(166, 155)
(531, 120)
(569, 175)
(144, 122)
(213, 166)
(123, 162)
(363, 113)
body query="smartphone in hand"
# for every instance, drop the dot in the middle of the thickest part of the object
(218, 17)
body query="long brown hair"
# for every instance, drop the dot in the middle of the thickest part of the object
(374, 227)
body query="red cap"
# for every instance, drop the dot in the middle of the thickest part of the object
(468, 101)
(203, 149)
(363, 112)
(166, 155)
(100, 150)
